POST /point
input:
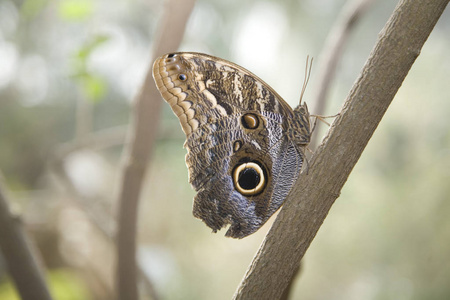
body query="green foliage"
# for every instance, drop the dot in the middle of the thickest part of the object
(75, 10)
(64, 285)
(86, 49)
(67, 286)
(93, 86)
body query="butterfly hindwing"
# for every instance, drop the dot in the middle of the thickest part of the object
(245, 144)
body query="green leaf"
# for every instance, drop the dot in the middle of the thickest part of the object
(91, 45)
(75, 10)
(64, 285)
(94, 87)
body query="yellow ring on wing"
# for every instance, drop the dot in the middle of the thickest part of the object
(249, 179)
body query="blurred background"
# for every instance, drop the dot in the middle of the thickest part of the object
(69, 70)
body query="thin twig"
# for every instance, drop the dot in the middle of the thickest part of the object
(98, 216)
(308, 204)
(97, 140)
(141, 135)
(94, 211)
(350, 14)
(19, 254)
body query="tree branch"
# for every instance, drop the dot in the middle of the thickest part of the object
(332, 52)
(328, 60)
(97, 214)
(308, 204)
(142, 135)
(17, 250)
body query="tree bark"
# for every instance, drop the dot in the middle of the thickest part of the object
(306, 207)
(141, 135)
(18, 253)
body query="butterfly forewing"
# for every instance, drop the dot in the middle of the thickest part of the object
(245, 144)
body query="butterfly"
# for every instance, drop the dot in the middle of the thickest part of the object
(245, 144)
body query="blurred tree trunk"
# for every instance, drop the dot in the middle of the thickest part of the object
(306, 207)
(19, 255)
(141, 135)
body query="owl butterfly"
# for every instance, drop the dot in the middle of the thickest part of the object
(245, 145)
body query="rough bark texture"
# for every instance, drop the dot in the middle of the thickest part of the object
(142, 135)
(18, 253)
(337, 38)
(306, 207)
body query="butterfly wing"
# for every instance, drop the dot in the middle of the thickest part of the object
(245, 144)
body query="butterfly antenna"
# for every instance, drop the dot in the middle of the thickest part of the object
(307, 75)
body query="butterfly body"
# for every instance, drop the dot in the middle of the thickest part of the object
(245, 144)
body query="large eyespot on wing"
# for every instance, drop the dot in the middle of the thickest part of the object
(249, 178)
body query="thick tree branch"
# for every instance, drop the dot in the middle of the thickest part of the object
(142, 135)
(17, 250)
(305, 209)
(349, 16)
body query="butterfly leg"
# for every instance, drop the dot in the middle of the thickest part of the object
(321, 118)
